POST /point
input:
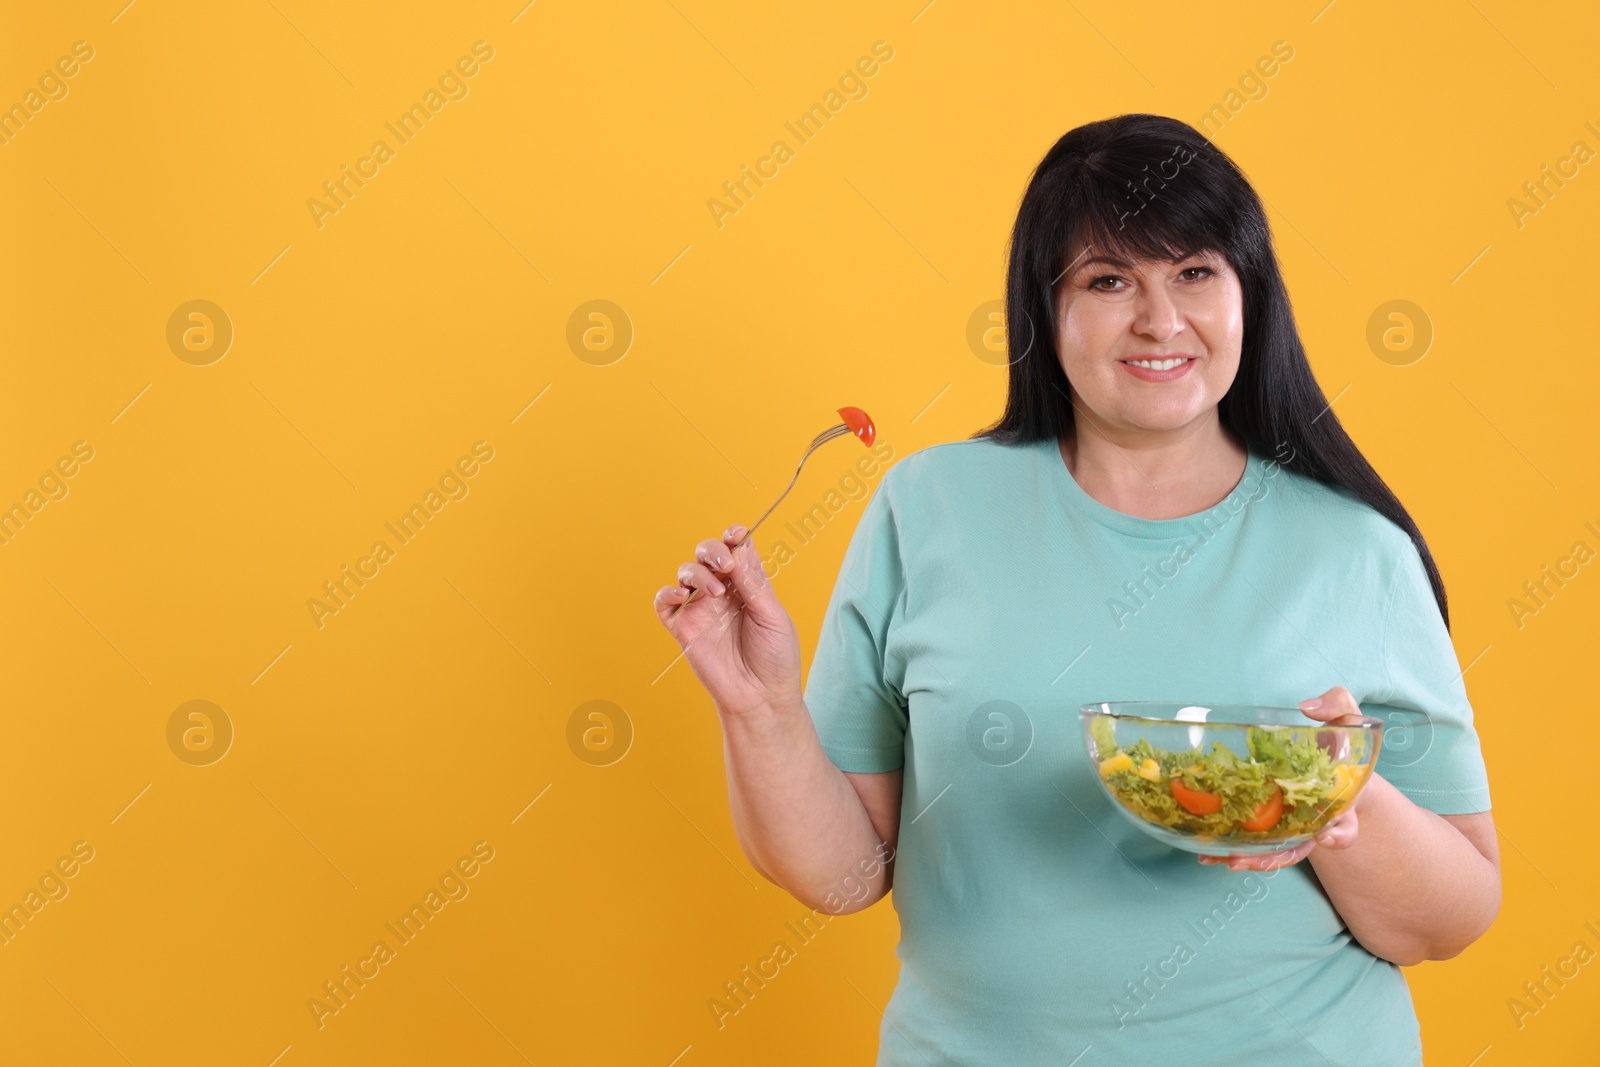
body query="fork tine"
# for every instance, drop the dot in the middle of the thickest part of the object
(828, 435)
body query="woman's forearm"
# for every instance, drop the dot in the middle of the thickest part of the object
(1412, 887)
(797, 817)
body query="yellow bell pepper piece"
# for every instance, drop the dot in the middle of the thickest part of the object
(1151, 771)
(1119, 762)
(1347, 779)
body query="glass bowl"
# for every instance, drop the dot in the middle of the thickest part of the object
(1216, 779)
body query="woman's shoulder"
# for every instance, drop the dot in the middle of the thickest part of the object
(950, 468)
(966, 456)
(1337, 514)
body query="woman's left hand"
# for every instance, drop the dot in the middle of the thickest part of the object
(1337, 708)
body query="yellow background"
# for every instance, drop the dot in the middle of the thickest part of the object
(428, 313)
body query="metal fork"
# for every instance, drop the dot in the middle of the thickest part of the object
(821, 439)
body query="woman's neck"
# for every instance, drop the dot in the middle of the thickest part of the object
(1160, 480)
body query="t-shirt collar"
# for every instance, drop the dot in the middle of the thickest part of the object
(1252, 484)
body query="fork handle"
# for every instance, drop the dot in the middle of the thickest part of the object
(821, 439)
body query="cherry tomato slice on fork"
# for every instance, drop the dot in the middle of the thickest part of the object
(860, 424)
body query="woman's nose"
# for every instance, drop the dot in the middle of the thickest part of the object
(1156, 316)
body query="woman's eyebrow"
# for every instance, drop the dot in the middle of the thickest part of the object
(1109, 261)
(1112, 261)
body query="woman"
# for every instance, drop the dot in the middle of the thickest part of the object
(1198, 530)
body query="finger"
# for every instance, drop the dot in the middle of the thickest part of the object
(698, 576)
(1341, 832)
(1344, 818)
(1276, 860)
(668, 599)
(1230, 858)
(1337, 707)
(1336, 743)
(1336, 703)
(750, 581)
(715, 555)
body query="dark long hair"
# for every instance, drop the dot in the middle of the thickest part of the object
(1151, 187)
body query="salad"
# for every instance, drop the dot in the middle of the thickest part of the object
(1287, 787)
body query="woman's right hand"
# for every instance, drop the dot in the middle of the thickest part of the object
(738, 639)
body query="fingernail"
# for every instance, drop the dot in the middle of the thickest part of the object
(1310, 705)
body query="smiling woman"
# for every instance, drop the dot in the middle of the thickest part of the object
(1162, 373)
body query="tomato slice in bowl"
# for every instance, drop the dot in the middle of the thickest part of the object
(1267, 813)
(1195, 801)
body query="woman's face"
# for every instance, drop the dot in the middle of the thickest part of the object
(1110, 312)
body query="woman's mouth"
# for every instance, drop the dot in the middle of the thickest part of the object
(1159, 370)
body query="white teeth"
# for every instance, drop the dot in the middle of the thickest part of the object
(1163, 364)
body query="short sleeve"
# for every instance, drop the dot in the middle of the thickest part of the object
(1430, 750)
(854, 696)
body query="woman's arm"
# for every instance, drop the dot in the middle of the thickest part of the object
(827, 839)
(1411, 885)
(800, 820)
(1414, 885)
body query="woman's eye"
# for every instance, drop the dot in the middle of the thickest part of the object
(1198, 273)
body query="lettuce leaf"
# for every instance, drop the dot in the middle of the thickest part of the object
(1104, 740)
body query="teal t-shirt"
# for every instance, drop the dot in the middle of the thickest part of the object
(984, 598)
